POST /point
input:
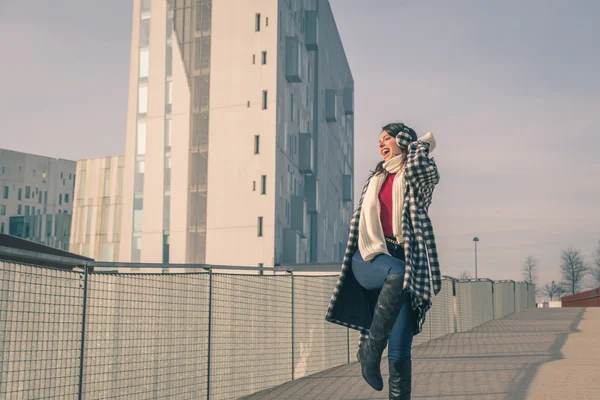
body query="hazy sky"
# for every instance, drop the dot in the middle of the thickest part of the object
(511, 90)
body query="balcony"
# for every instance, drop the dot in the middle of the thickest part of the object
(311, 193)
(346, 188)
(293, 59)
(305, 154)
(291, 246)
(311, 34)
(330, 105)
(298, 215)
(348, 101)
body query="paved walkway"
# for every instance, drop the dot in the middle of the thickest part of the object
(540, 354)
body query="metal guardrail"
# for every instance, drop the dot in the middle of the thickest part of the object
(214, 332)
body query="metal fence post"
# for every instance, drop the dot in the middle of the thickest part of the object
(83, 317)
(348, 346)
(454, 306)
(210, 296)
(493, 303)
(293, 344)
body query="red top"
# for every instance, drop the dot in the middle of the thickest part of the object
(385, 200)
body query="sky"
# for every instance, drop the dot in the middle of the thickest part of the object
(511, 91)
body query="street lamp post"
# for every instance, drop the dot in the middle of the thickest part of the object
(475, 240)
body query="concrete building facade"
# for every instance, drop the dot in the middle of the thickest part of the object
(97, 210)
(36, 197)
(240, 136)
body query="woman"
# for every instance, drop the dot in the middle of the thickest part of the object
(384, 287)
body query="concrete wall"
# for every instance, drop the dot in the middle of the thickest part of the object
(237, 81)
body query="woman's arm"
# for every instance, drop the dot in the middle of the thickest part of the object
(421, 172)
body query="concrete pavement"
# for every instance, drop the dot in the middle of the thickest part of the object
(540, 354)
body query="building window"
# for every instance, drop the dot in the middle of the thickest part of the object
(292, 107)
(260, 226)
(2, 226)
(267, 21)
(145, 5)
(144, 62)
(2, 209)
(66, 198)
(141, 137)
(59, 199)
(169, 91)
(5, 192)
(169, 57)
(2, 170)
(253, 58)
(265, 99)
(26, 210)
(257, 23)
(168, 135)
(254, 186)
(165, 248)
(144, 32)
(264, 58)
(263, 184)
(27, 192)
(19, 209)
(256, 144)
(143, 98)
(20, 194)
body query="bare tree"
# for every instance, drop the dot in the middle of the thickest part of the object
(596, 271)
(530, 270)
(573, 269)
(553, 290)
(465, 275)
(560, 291)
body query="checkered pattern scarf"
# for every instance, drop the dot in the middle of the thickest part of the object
(421, 176)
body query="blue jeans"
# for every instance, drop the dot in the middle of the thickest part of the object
(371, 275)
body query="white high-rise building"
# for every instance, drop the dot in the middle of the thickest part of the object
(240, 134)
(95, 231)
(36, 197)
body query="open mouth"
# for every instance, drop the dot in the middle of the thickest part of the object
(385, 152)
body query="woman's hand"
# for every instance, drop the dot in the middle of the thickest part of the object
(428, 138)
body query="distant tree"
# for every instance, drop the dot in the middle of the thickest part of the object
(553, 290)
(560, 291)
(530, 270)
(465, 275)
(573, 270)
(596, 271)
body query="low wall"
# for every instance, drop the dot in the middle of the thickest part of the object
(192, 335)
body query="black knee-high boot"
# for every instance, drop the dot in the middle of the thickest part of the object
(386, 312)
(400, 379)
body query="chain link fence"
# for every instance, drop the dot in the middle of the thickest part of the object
(86, 334)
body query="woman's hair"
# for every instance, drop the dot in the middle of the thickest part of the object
(393, 129)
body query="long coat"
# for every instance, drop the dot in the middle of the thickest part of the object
(351, 305)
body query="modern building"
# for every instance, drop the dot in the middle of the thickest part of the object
(240, 134)
(96, 228)
(36, 201)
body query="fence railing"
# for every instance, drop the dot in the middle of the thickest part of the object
(87, 334)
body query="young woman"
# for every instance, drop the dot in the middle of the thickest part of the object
(384, 289)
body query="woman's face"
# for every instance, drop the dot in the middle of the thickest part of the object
(388, 147)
